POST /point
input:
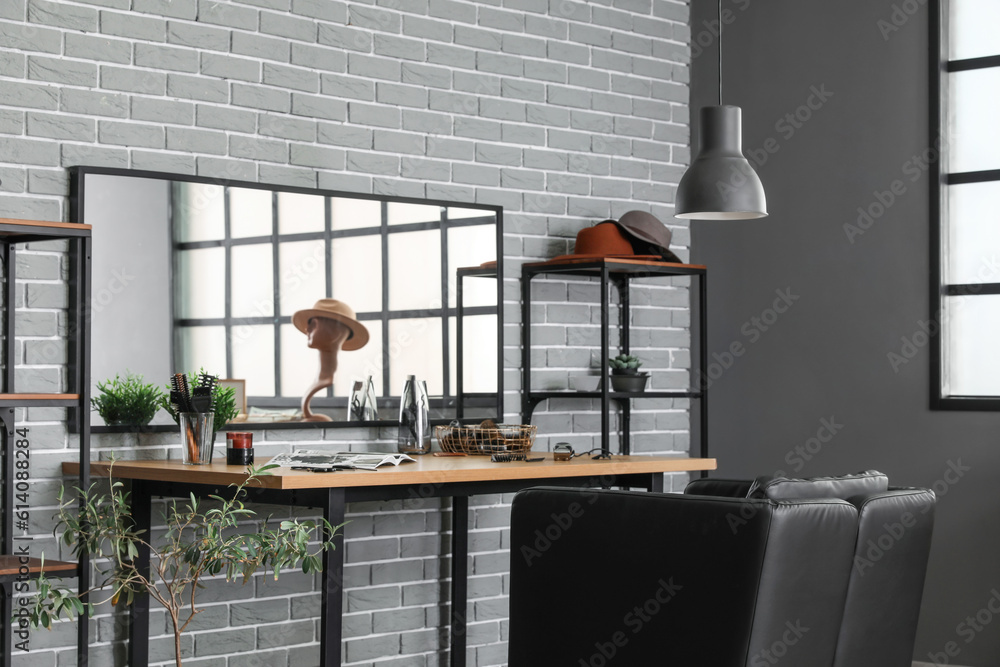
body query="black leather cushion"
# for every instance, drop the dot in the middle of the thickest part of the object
(782, 488)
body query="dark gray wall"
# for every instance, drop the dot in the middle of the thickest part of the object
(826, 357)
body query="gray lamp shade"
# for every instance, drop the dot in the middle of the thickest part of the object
(720, 184)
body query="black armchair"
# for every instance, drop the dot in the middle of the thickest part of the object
(604, 578)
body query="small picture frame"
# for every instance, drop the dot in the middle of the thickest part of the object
(240, 389)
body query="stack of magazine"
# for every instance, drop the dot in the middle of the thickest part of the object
(329, 461)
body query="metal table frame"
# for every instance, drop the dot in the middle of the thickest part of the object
(333, 501)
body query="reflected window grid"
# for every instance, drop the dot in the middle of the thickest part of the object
(261, 310)
(969, 218)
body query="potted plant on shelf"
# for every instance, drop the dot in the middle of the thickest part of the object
(625, 375)
(201, 541)
(126, 401)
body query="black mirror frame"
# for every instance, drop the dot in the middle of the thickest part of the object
(78, 176)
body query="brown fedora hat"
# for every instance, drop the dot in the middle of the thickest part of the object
(648, 235)
(603, 240)
(334, 310)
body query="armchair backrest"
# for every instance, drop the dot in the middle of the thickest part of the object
(635, 578)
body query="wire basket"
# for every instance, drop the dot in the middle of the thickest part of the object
(480, 440)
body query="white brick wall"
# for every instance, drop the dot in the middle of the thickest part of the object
(562, 112)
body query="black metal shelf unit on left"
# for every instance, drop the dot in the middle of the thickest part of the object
(17, 560)
(621, 273)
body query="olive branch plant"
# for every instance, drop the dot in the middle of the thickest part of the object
(198, 544)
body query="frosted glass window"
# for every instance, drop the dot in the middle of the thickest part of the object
(357, 272)
(470, 247)
(347, 213)
(480, 372)
(250, 213)
(415, 270)
(202, 347)
(201, 283)
(972, 329)
(974, 25)
(406, 337)
(402, 214)
(199, 212)
(299, 214)
(301, 274)
(973, 249)
(253, 281)
(974, 132)
(359, 364)
(299, 363)
(253, 357)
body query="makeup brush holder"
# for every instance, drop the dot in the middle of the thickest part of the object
(197, 437)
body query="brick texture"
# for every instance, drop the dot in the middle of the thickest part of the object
(564, 113)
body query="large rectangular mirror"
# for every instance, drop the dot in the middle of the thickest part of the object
(193, 273)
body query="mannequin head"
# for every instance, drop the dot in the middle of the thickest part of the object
(324, 333)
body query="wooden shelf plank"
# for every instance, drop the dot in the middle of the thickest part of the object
(40, 227)
(11, 566)
(39, 400)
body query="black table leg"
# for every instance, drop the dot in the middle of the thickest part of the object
(138, 633)
(332, 603)
(459, 577)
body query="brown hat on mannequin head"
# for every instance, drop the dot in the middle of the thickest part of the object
(334, 310)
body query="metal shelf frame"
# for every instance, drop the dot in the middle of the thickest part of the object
(620, 273)
(77, 401)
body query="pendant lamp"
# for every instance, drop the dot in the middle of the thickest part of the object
(720, 184)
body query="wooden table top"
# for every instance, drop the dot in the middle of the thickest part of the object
(425, 470)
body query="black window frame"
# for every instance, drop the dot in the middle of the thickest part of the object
(940, 67)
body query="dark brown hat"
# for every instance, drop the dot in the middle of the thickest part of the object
(647, 235)
(605, 240)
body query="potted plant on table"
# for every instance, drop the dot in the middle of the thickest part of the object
(201, 541)
(625, 375)
(126, 401)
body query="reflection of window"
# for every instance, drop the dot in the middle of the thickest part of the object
(246, 259)
(968, 300)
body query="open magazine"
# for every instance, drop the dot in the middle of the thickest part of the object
(312, 460)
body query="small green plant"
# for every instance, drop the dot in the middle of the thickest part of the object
(127, 401)
(625, 364)
(224, 399)
(202, 540)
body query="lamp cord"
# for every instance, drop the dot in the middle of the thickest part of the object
(720, 53)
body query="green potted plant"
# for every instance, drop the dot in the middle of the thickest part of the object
(625, 375)
(126, 401)
(202, 540)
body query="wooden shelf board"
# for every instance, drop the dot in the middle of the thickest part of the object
(40, 227)
(611, 261)
(39, 397)
(11, 566)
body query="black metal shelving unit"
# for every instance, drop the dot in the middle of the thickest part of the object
(17, 563)
(620, 273)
